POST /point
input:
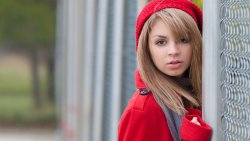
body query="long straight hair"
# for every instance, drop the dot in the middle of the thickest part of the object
(172, 94)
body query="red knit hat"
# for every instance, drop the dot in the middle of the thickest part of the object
(157, 5)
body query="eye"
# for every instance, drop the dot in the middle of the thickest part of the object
(161, 42)
(184, 40)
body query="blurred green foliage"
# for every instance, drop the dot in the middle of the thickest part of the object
(198, 2)
(27, 23)
(16, 103)
(18, 111)
(14, 82)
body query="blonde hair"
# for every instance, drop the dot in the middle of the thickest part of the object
(168, 91)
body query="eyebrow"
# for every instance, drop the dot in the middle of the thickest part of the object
(160, 36)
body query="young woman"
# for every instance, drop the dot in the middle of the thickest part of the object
(166, 106)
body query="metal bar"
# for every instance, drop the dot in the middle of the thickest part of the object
(74, 47)
(90, 14)
(71, 77)
(117, 67)
(211, 69)
(100, 70)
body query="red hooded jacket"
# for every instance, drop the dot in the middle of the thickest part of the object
(144, 120)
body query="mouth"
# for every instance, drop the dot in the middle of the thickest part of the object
(175, 64)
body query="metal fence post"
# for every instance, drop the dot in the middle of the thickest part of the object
(211, 96)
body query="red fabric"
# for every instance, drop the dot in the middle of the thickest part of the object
(157, 5)
(193, 132)
(138, 81)
(144, 120)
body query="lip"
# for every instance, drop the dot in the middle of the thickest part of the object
(175, 64)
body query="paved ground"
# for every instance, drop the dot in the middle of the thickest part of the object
(28, 135)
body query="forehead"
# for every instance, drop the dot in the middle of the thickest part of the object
(159, 28)
(171, 25)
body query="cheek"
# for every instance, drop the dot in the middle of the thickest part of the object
(156, 56)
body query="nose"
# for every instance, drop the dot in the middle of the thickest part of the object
(173, 49)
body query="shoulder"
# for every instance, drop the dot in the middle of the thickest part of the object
(143, 103)
(143, 119)
(143, 109)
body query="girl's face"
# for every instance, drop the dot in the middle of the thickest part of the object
(171, 56)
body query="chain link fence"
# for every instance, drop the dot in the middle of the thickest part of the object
(235, 73)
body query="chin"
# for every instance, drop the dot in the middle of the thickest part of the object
(175, 74)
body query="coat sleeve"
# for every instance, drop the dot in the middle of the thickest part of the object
(193, 132)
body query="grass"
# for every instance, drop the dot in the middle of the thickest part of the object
(18, 110)
(16, 102)
(14, 82)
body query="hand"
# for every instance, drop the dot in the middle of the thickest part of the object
(195, 120)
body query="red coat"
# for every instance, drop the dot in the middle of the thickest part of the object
(144, 120)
